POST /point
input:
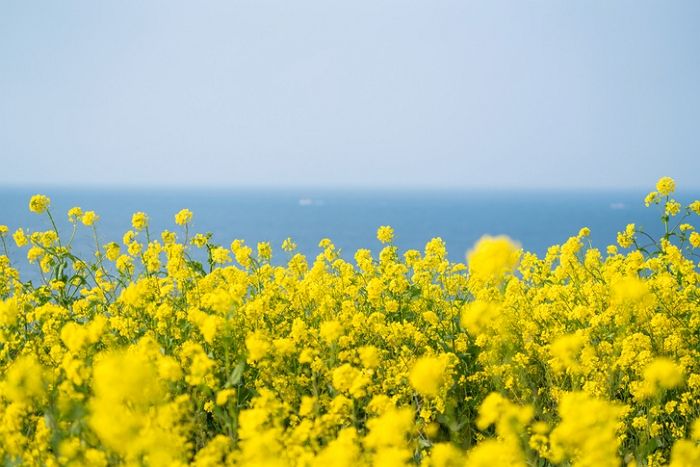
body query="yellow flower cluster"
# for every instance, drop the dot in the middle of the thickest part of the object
(175, 350)
(39, 203)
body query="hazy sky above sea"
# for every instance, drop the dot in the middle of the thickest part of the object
(459, 94)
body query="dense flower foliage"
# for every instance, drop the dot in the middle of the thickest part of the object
(143, 355)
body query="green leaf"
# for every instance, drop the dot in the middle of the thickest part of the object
(196, 266)
(236, 375)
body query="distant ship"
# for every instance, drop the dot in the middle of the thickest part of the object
(311, 202)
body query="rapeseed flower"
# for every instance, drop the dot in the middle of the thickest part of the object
(20, 238)
(665, 186)
(662, 373)
(428, 375)
(24, 380)
(694, 239)
(166, 353)
(139, 220)
(288, 244)
(39, 204)
(74, 214)
(695, 207)
(385, 234)
(492, 257)
(183, 217)
(89, 218)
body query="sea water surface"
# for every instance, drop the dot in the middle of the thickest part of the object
(536, 219)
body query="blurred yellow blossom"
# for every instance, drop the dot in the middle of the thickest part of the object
(39, 204)
(428, 375)
(492, 257)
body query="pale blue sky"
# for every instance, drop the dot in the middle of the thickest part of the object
(489, 94)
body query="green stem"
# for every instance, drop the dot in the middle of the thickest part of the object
(54, 226)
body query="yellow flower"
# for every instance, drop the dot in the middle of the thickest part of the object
(199, 240)
(694, 239)
(390, 428)
(565, 351)
(183, 217)
(224, 395)
(47, 239)
(369, 356)
(134, 248)
(385, 234)
(257, 346)
(139, 220)
(8, 312)
(330, 331)
(446, 455)
(340, 452)
(220, 255)
(629, 290)
(169, 369)
(665, 186)
(492, 257)
(661, 373)
(241, 252)
(626, 239)
(74, 214)
(39, 203)
(587, 433)
(672, 207)
(479, 315)
(129, 410)
(307, 405)
(89, 218)
(214, 453)
(24, 380)
(20, 238)
(492, 452)
(322, 362)
(428, 375)
(112, 251)
(74, 336)
(685, 453)
(168, 237)
(652, 197)
(695, 207)
(264, 250)
(288, 244)
(34, 254)
(508, 417)
(344, 376)
(124, 264)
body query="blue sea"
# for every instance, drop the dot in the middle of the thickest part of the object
(536, 219)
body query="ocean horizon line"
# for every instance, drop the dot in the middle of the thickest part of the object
(143, 187)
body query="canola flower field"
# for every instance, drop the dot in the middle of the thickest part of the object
(141, 355)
